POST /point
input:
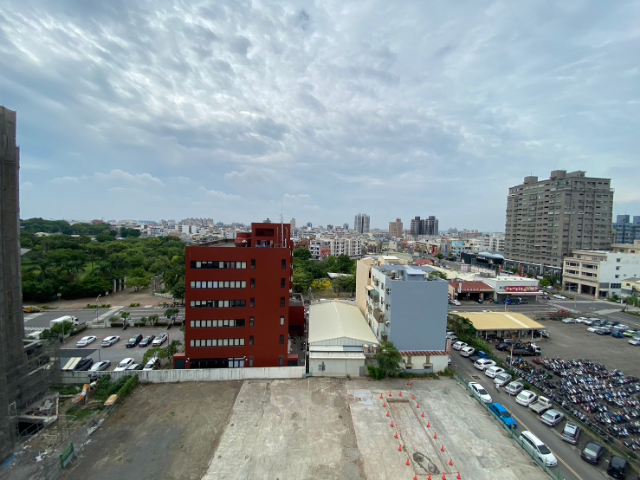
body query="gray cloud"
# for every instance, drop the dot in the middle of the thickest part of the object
(396, 111)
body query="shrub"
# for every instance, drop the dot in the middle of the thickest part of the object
(375, 372)
(128, 386)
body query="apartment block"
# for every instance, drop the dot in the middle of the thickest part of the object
(396, 229)
(238, 306)
(627, 231)
(599, 273)
(425, 226)
(361, 223)
(548, 219)
(406, 305)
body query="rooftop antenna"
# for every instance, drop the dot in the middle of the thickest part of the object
(282, 222)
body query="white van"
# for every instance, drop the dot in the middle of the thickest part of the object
(538, 450)
(67, 318)
(467, 351)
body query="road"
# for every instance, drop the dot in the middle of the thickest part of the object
(569, 461)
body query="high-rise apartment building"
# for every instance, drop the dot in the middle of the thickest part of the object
(425, 226)
(627, 231)
(361, 223)
(396, 229)
(293, 224)
(237, 300)
(548, 219)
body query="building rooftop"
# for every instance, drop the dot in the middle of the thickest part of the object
(501, 321)
(333, 320)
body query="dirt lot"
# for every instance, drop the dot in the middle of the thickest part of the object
(572, 341)
(161, 432)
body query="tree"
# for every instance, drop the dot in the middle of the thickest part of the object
(302, 254)
(138, 282)
(170, 313)
(440, 256)
(153, 319)
(461, 326)
(388, 359)
(320, 285)
(58, 330)
(179, 290)
(302, 280)
(172, 349)
(124, 316)
(154, 352)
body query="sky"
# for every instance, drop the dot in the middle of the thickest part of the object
(244, 110)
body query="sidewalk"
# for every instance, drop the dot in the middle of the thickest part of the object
(124, 298)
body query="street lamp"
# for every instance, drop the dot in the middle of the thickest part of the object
(98, 298)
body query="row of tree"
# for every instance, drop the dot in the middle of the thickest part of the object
(78, 267)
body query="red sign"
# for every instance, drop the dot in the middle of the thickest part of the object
(523, 288)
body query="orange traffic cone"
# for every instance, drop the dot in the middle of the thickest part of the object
(408, 462)
(380, 396)
(387, 414)
(458, 477)
(384, 404)
(391, 424)
(435, 436)
(444, 477)
(399, 448)
(451, 462)
(390, 394)
(428, 424)
(423, 416)
(400, 394)
(396, 435)
(442, 448)
(417, 405)
(415, 477)
(413, 397)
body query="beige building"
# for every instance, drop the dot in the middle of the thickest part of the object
(599, 273)
(396, 229)
(626, 247)
(548, 219)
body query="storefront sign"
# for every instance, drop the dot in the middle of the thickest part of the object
(521, 288)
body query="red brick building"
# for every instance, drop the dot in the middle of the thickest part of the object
(237, 300)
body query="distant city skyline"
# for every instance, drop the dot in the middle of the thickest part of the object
(241, 111)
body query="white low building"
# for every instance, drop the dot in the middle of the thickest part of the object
(339, 337)
(599, 273)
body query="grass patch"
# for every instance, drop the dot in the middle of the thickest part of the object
(78, 413)
(67, 389)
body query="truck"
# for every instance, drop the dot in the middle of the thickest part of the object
(541, 405)
(67, 318)
(525, 349)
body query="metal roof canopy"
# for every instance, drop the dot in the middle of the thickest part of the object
(338, 323)
(484, 321)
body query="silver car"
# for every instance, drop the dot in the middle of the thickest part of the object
(514, 388)
(552, 417)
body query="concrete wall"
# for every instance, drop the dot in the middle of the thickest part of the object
(336, 368)
(195, 375)
(418, 314)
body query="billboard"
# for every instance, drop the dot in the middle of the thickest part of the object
(521, 288)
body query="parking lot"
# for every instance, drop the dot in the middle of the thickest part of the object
(118, 351)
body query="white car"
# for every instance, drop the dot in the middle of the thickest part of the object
(581, 319)
(526, 398)
(592, 329)
(122, 366)
(635, 341)
(467, 351)
(559, 297)
(160, 339)
(483, 363)
(84, 341)
(491, 372)
(479, 392)
(107, 342)
(456, 303)
(100, 366)
(568, 320)
(458, 345)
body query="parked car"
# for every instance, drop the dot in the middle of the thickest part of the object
(482, 354)
(484, 363)
(473, 358)
(552, 417)
(581, 320)
(617, 467)
(479, 392)
(503, 414)
(534, 446)
(465, 352)
(526, 398)
(152, 364)
(503, 346)
(630, 333)
(502, 379)
(133, 341)
(635, 341)
(107, 342)
(604, 330)
(568, 320)
(617, 334)
(491, 372)
(84, 364)
(571, 433)
(592, 329)
(122, 366)
(84, 341)
(592, 452)
(459, 345)
(160, 339)
(514, 388)
(146, 341)
(135, 366)
(100, 366)
(456, 303)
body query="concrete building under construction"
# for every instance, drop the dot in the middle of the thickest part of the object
(27, 367)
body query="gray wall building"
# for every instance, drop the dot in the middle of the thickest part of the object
(425, 226)
(408, 307)
(547, 219)
(627, 231)
(361, 223)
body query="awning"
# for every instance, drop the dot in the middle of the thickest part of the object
(370, 287)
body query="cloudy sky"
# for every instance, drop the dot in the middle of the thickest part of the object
(157, 109)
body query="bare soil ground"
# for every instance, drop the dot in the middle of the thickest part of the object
(166, 431)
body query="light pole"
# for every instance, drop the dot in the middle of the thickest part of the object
(97, 307)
